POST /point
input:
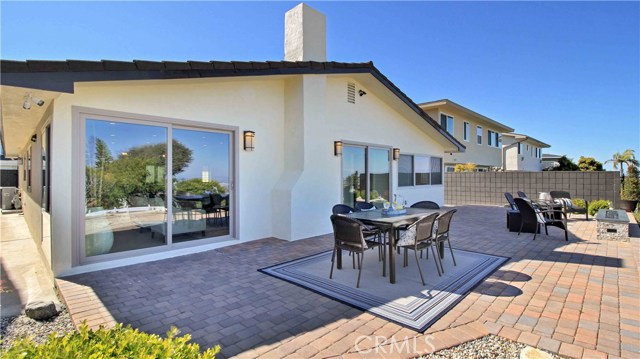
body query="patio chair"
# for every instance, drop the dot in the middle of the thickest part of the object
(417, 237)
(342, 209)
(509, 198)
(365, 206)
(442, 233)
(522, 194)
(369, 231)
(425, 205)
(564, 198)
(537, 217)
(348, 235)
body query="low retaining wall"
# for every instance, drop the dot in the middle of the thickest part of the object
(488, 188)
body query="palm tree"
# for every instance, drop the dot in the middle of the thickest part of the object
(626, 158)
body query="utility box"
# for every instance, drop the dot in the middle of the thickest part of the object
(7, 196)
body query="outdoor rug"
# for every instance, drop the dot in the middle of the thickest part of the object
(407, 302)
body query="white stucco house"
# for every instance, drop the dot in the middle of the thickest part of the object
(129, 161)
(522, 153)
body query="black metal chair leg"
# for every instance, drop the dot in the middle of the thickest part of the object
(435, 259)
(451, 249)
(359, 270)
(333, 255)
(418, 263)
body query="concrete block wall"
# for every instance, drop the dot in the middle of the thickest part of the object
(488, 188)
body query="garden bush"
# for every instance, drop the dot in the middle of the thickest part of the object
(119, 342)
(594, 206)
(578, 202)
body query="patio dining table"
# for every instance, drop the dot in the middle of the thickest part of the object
(392, 222)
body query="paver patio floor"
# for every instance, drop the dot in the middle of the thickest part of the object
(579, 298)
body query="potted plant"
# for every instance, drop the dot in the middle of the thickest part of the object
(630, 193)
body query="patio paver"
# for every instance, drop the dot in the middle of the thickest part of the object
(576, 298)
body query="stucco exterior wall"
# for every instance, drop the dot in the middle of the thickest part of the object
(249, 104)
(370, 120)
(286, 186)
(525, 161)
(482, 155)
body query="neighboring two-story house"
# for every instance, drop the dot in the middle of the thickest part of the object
(522, 152)
(481, 135)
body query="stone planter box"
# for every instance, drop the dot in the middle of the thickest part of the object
(612, 225)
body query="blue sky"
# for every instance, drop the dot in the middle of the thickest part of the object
(566, 73)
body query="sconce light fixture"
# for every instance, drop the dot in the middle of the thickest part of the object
(29, 100)
(361, 93)
(337, 148)
(34, 138)
(396, 154)
(249, 137)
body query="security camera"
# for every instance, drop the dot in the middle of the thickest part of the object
(26, 105)
(38, 101)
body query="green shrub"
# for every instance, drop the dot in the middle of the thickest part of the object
(637, 215)
(578, 202)
(119, 342)
(594, 206)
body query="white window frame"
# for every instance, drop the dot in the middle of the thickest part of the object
(413, 173)
(479, 137)
(490, 138)
(453, 123)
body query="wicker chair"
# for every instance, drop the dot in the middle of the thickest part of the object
(423, 240)
(442, 234)
(564, 198)
(536, 216)
(425, 205)
(379, 234)
(365, 206)
(348, 235)
(509, 198)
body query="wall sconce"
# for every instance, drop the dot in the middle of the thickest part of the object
(396, 154)
(249, 137)
(361, 93)
(337, 148)
(34, 138)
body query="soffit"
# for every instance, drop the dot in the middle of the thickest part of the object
(18, 122)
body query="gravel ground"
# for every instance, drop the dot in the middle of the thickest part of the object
(491, 346)
(12, 328)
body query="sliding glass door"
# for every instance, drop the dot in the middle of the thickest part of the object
(201, 168)
(125, 186)
(153, 185)
(366, 175)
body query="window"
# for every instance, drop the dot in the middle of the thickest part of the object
(29, 169)
(405, 170)
(446, 122)
(366, 175)
(479, 134)
(519, 148)
(499, 140)
(467, 130)
(493, 139)
(420, 170)
(436, 170)
(423, 170)
(450, 169)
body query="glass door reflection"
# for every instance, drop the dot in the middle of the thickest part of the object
(354, 180)
(379, 175)
(200, 178)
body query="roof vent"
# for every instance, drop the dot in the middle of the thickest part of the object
(351, 92)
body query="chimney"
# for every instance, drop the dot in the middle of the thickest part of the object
(305, 37)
